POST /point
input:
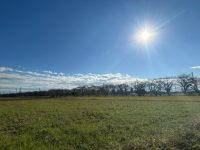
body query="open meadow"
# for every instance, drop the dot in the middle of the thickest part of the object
(100, 123)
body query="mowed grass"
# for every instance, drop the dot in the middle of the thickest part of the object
(100, 123)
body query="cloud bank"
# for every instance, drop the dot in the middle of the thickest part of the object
(12, 80)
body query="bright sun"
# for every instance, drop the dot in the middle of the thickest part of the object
(145, 35)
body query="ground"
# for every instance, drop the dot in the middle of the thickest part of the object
(100, 123)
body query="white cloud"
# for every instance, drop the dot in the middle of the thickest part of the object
(50, 72)
(53, 73)
(28, 80)
(195, 67)
(3, 69)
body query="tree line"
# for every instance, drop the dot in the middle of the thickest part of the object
(181, 85)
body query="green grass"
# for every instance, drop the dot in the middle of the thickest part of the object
(100, 123)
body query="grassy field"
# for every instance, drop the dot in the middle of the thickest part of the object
(100, 123)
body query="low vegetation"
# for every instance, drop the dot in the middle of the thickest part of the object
(123, 123)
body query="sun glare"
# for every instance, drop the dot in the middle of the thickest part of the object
(145, 35)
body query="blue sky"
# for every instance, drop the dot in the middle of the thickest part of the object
(94, 36)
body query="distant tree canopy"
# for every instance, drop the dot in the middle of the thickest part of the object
(182, 85)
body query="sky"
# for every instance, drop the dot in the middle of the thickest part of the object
(96, 37)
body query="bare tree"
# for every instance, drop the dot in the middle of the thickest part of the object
(159, 87)
(185, 82)
(167, 85)
(140, 88)
(151, 86)
(195, 85)
(155, 87)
